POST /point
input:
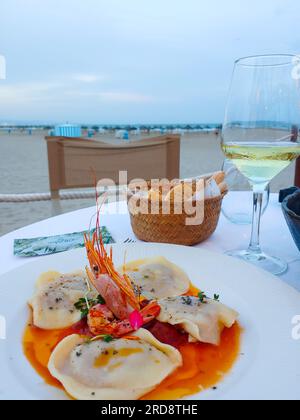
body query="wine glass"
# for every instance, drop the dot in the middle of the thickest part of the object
(237, 204)
(260, 133)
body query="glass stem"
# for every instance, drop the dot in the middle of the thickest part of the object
(258, 195)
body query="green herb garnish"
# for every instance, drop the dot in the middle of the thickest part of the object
(202, 297)
(217, 298)
(108, 338)
(100, 300)
(84, 305)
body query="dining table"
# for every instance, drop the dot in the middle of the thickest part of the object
(275, 235)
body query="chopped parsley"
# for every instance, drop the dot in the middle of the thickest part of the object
(84, 305)
(100, 300)
(202, 297)
(108, 338)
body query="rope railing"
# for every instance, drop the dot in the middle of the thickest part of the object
(27, 198)
(75, 195)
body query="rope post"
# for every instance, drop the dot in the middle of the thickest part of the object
(55, 195)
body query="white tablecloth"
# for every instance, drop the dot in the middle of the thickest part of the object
(275, 236)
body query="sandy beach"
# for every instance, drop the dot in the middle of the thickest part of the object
(24, 169)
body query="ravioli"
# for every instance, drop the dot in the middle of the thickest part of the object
(119, 370)
(54, 299)
(158, 278)
(204, 322)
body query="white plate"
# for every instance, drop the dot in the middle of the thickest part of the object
(268, 368)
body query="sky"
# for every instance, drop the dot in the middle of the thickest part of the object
(133, 61)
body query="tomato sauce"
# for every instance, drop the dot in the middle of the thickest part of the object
(204, 366)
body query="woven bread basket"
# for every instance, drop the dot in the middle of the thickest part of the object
(172, 228)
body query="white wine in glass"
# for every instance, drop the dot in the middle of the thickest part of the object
(261, 161)
(260, 133)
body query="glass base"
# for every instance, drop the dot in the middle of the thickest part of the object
(273, 265)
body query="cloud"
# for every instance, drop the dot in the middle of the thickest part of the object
(26, 93)
(88, 78)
